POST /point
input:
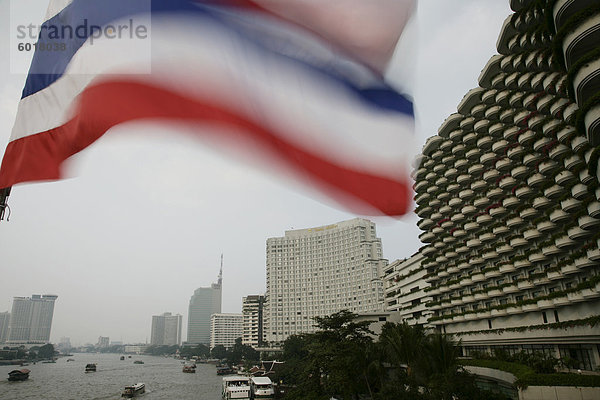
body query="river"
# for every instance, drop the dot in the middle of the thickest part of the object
(68, 380)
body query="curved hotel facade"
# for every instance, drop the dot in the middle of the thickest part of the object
(507, 192)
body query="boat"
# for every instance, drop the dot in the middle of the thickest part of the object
(90, 368)
(261, 387)
(49, 362)
(235, 387)
(134, 390)
(70, 359)
(189, 369)
(19, 374)
(122, 358)
(138, 362)
(224, 371)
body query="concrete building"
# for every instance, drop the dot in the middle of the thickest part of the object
(4, 320)
(204, 303)
(508, 192)
(31, 319)
(407, 291)
(103, 342)
(252, 327)
(319, 271)
(135, 348)
(166, 329)
(225, 329)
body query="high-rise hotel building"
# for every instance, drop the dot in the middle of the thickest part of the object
(508, 192)
(319, 271)
(253, 317)
(31, 319)
(166, 329)
(225, 329)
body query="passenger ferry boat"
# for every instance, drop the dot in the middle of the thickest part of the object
(236, 387)
(134, 390)
(19, 374)
(90, 368)
(261, 387)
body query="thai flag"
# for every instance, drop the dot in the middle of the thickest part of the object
(299, 83)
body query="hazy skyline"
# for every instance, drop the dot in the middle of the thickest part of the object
(145, 219)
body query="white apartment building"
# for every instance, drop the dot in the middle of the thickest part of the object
(31, 319)
(225, 329)
(252, 311)
(316, 272)
(407, 291)
(166, 329)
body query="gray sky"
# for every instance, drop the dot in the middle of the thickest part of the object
(148, 213)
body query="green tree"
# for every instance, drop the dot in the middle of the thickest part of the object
(219, 351)
(46, 351)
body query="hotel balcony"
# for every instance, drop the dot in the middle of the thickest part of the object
(548, 166)
(537, 257)
(479, 185)
(564, 177)
(564, 242)
(586, 222)
(546, 226)
(594, 209)
(511, 201)
(584, 262)
(458, 217)
(481, 202)
(536, 179)
(524, 192)
(529, 213)
(559, 151)
(579, 191)
(573, 161)
(531, 234)
(541, 202)
(507, 182)
(503, 164)
(593, 254)
(526, 137)
(558, 216)
(494, 193)
(553, 191)
(515, 221)
(531, 159)
(551, 250)
(570, 204)
(500, 230)
(491, 175)
(569, 269)
(518, 242)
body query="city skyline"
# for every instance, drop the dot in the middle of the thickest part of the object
(164, 211)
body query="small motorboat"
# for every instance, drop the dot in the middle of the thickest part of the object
(134, 390)
(122, 358)
(90, 368)
(138, 362)
(190, 369)
(18, 374)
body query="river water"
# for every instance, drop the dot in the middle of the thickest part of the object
(68, 380)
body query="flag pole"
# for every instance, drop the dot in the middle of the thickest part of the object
(4, 193)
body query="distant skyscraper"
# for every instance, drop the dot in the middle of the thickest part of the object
(4, 320)
(103, 342)
(225, 329)
(252, 310)
(204, 303)
(319, 271)
(31, 319)
(166, 329)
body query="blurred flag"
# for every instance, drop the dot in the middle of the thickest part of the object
(300, 82)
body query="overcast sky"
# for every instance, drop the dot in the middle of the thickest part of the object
(146, 216)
